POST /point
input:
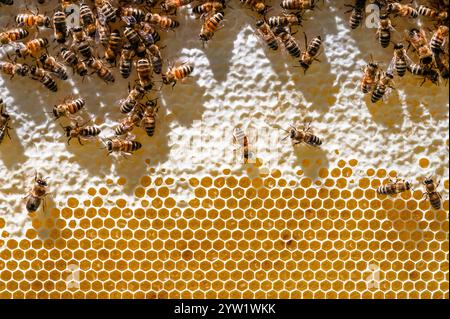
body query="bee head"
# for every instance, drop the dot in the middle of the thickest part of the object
(389, 75)
(428, 181)
(41, 182)
(43, 57)
(261, 8)
(292, 132)
(259, 23)
(398, 46)
(426, 59)
(165, 79)
(304, 65)
(203, 37)
(56, 112)
(47, 22)
(408, 184)
(383, 16)
(109, 145)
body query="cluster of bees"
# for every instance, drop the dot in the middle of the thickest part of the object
(432, 52)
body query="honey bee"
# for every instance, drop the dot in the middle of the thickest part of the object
(37, 194)
(32, 47)
(401, 60)
(148, 34)
(44, 77)
(31, 19)
(433, 13)
(438, 39)
(144, 71)
(155, 58)
(71, 59)
(357, 13)
(298, 4)
(60, 26)
(431, 192)
(256, 5)
(402, 10)
(122, 146)
(172, 5)
(417, 39)
(242, 141)
(304, 135)
(149, 117)
(49, 63)
(425, 71)
(371, 71)
(102, 71)
(177, 73)
(103, 33)
(134, 96)
(136, 13)
(384, 31)
(210, 26)
(106, 11)
(383, 85)
(13, 35)
(394, 187)
(81, 44)
(289, 42)
(128, 123)
(125, 61)
(132, 36)
(7, 2)
(4, 120)
(161, 21)
(286, 20)
(208, 6)
(311, 52)
(68, 108)
(80, 131)
(267, 35)
(113, 47)
(10, 68)
(87, 20)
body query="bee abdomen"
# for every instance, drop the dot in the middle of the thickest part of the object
(436, 44)
(76, 105)
(401, 67)
(49, 83)
(385, 38)
(356, 18)
(315, 46)
(127, 106)
(424, 11)
(386, 190)
(133, 146)
(90, 131)
(313, 140)
(149, 125)
(33, 204)
(293, 48)
(377, 94)
(435, 201)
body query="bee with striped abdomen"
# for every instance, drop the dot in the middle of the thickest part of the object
(148, 122)
(144, 71)
(431, 193)
(106, 11)
(177, 73)
(311, 52)
(71, 59)
(103, 33)
(402, 10)
(394, 187)
(113, 48)
(267, 34)
(132, 36)
(127, 124)
(256, 5)
(401, 60)
(418, 40)
(37, 195)
(357, 13)
(171, 6)
(304, 135)
(49, 63)
(44, 77)
(32, 47)
(210, 26)
(136, 13)
(425, 71)
(286, 20)
(126, 60)
(122, 145)
(68, 108)
(298, 4)
(134, 96)
(4, 120)
(384, 31)
(163, 22)
(33, 19)
(434, 14)
(148, 34)
(208, 6)
(102, 71)
(87, 20)
(59, 26)
(438, 39)
(155, 58)
(80, 131)
(13, 35)
(10, 68)
(289, 42)
(383, 85)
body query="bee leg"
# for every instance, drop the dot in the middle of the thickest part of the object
(7, 132)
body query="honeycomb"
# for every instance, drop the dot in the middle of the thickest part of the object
(238, 237)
